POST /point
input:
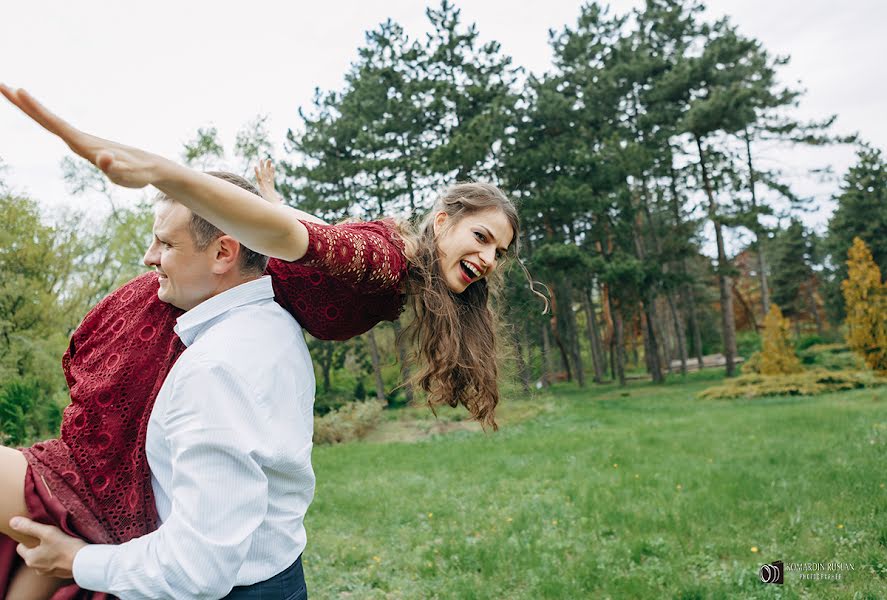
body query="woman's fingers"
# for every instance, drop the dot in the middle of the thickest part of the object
(42, 115)
(81, 143)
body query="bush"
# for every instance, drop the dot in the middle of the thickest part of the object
(835, 357)
(810, 340)
(777, 356)
(865, 299)
(747, 343)
(350, 422)
(27, 412)
(807, 383)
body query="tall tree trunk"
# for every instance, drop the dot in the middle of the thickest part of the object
(685, 291)
(402, 359)
(678, 331)
(814, 308)
(555, 332)
(326, 365)
(546, 355)
(690, 302)
(594, 336)
(567, 321)
(377, 364)
(681, 341)
(522, 369)
(619, 342)
(725, 282)
(653, 342)
(759, 233)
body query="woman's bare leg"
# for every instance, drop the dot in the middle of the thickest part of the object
(13, 467)
(26, 584)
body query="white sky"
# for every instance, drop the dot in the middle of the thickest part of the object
(150, 73)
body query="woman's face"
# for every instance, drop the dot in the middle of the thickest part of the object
(471, 247)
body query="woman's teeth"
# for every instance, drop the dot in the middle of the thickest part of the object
(470, 269)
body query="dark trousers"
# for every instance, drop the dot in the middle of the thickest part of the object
(289, 584)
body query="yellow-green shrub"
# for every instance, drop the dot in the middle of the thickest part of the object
(865, 299)
(777, 355)
(806, 383)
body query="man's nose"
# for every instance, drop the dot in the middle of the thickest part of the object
(151, 256)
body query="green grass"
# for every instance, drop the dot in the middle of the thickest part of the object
(645, 492)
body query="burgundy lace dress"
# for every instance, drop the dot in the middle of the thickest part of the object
(94, 481)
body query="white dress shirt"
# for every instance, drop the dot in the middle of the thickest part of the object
(229, 447)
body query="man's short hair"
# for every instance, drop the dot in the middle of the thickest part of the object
(204, 233)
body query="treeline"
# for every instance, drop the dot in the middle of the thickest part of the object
(640, 139)
(637, 147)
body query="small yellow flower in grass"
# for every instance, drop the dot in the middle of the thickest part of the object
(882, 486)
(636, 476)
(754, 549)
(840, 526)
(679, 487)
(509, 519)
(378, 559)
(615, 465)
(430, 515)
(554, 522)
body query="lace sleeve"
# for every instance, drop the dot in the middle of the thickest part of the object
(368, 256)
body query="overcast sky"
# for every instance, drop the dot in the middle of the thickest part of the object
(150, 73)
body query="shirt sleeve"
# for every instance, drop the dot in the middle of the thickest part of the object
(368, 256)
(219, 498)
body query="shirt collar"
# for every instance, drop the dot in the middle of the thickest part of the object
(197, 320)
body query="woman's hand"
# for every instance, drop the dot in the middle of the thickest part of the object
(126, 166)
(265, 181)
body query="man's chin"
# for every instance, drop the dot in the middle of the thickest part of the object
(164, 295)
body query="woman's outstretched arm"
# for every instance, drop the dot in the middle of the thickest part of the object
(272, 229)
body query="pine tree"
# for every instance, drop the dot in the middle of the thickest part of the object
(861, 211)
(777, 356)
(865, 298)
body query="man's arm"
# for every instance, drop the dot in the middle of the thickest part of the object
(219, 497)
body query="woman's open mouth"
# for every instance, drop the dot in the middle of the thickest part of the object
(469, 271)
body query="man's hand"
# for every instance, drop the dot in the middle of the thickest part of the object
(54, 555)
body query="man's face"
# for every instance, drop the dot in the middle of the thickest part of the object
(185, 274)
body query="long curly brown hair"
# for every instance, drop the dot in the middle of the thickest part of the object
(454, 336)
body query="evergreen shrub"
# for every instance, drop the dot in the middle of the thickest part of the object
(806, 383)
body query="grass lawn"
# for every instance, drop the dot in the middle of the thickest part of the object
(643, 492)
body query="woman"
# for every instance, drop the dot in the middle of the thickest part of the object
(337, 281)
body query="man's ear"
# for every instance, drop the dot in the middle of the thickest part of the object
(227, 254)
(439, 220)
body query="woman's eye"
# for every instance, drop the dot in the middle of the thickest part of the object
(481, 237)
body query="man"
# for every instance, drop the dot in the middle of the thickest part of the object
(229, 437)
